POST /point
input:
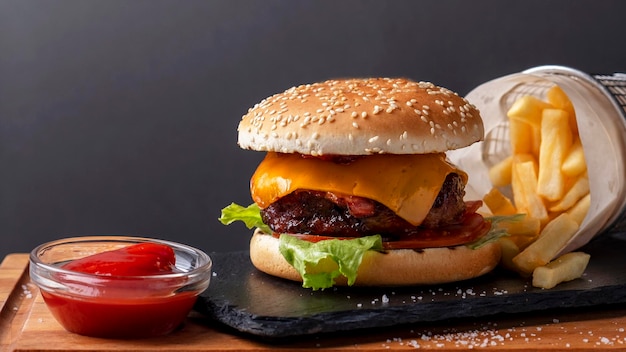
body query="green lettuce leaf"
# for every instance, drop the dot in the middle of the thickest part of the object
(321, 262)
(250, 215)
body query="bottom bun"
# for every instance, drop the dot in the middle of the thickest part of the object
(398, 267)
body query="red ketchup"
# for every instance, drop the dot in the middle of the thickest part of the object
(119, 303)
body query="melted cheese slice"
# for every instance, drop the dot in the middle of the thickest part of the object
(407, 184)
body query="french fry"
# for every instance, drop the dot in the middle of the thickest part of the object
(535, 148)
(573, 195)
(522, 242)
(500, 173)
(509, 250)
(522, 232)
(498, 203)
(550, 241)
(521, 134)
(557, 97)
(524, 184)
(556, 138)
(574, 163)
(579, 211)
(519, 196)
(528, 109)
(567, 267)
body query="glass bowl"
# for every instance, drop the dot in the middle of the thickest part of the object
(117, 306)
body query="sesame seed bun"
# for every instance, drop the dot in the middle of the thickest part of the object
(399, 267)
(361, 117)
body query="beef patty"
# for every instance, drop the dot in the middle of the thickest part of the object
(331, 214)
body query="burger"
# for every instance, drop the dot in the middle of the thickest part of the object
(356, 189)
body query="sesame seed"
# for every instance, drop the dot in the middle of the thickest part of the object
(377, 109)
(373, 139)
(364, 114)
(354, 114)
(355, 125)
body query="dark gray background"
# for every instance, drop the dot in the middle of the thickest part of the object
(119, 117)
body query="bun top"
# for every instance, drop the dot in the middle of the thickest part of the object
(361, 117)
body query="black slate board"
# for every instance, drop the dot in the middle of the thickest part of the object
(252, 302)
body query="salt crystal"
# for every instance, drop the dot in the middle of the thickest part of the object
(385, 299)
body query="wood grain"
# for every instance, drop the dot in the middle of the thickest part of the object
(26, 325)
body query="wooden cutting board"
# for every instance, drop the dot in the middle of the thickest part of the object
(26, 325)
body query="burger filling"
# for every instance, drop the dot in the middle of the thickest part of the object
(337, 215)
(337, 209)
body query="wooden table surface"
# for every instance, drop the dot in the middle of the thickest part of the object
(26, 325)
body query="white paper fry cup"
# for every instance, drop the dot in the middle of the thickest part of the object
(600, 105)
